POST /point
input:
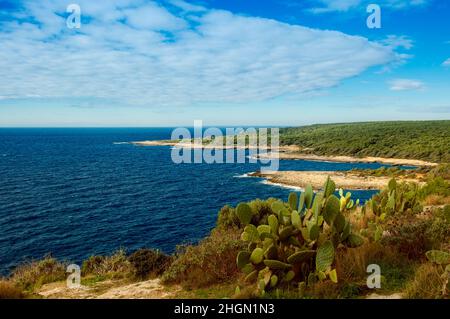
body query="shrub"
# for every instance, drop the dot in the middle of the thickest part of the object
(227, 217)
(8, 290)
(408, 234)
(149, 262)
(436, 186)
(34, 274)
(116, 265)
(442, 170)
(212, 261)
(438, 233)
(92, 265)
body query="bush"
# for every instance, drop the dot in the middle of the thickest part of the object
(438, 233)
(436, 186)
(34, 274)
(212, 261)
(116, 265)
(442, 170)
(8, 290)
(227, 217)
(408, 234)
(149, 262)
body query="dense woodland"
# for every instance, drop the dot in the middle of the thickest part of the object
(425, 140)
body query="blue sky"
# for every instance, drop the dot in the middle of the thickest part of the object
(226, 62)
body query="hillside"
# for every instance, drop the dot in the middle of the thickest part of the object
(424, 140)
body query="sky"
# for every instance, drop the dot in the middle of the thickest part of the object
(227, 62)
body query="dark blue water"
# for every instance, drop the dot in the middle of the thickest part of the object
(74, 193)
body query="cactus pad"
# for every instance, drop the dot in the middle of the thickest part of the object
(257, 256)
(293, 200)
(325, 256)
(301, 256)
(276, 264)
(242, 259)
(244, 213)
(332, 208)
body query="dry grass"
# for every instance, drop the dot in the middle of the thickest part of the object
(115, 266)
(34, 274)
(351, 266)
(427, 283)
(8, 290)
(324, 290)
(433, 200)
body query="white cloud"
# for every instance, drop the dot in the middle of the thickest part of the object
(335, 5)
(187, 6)
(446, 62)
(325, 6)
(143, 54)
(396, 42)
(406, 85)
(153, 17)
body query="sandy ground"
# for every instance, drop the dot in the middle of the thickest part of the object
(316, 179)
(150, 289)
(377, 296)
(292, 152)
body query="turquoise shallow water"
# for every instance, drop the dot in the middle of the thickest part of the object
(75, 192)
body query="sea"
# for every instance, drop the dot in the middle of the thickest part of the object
(77, 192)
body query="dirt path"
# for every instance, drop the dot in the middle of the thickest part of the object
(377, 296)
(150, 289)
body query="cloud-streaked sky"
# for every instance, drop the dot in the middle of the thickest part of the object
(164, 63)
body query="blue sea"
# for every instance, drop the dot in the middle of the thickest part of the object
(78, 192)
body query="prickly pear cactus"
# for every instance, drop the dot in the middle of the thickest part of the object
(441, 258)
(296, 244)
(325, 256)
(395, 199)
(244, 213)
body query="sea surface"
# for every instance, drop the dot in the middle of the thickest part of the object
(78, 192)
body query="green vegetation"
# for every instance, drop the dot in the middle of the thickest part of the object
(424, 140)
(9, 290)
(149, 263)
(311, 246)
(208, 262)
(115, 266)
(296, 245)
(33, 275)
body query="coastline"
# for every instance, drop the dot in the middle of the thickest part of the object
(343, 179)
(292, 152)
(349, 159)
